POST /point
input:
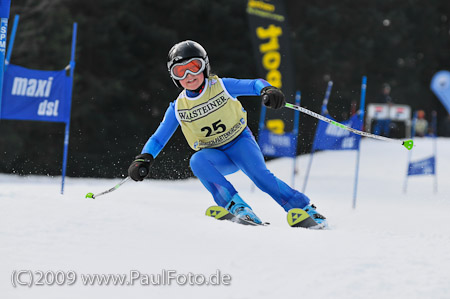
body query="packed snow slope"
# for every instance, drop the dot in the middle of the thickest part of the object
(393, 245)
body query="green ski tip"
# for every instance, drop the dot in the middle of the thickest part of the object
(90, 195)
(408, 144)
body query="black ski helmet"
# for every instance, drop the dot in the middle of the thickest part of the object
(186, 50)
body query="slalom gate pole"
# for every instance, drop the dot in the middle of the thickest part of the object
(362, 103)
(298, 97)
(5, 6)
(69, 96)
(408, 144)
(311, 156)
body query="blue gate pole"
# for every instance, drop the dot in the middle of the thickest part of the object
(311, 156)
(413, 133)
(361, 117)
(434, 129)
(11, 41)
(69, 94)
(5, 6)
(295, 133)
(262, 120)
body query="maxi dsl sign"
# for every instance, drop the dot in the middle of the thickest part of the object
(36, 95)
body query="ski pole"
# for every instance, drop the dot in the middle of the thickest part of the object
(92, 195)
(142, 171)
(408, 144)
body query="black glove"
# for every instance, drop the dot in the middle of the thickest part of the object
(272, 97)
(138, 170)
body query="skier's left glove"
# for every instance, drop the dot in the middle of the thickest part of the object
(140, 167)
(272, 97)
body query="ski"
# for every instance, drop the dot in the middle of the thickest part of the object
(299, 218)
(295, 218)
(221, 213)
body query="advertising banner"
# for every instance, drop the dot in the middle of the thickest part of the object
(270, 37)
(36, 95)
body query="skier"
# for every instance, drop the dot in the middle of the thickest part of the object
(214, 124)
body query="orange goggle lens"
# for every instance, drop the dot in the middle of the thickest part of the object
(193, 66)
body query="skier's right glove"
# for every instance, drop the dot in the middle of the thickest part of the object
(272, 97)
(139, 169)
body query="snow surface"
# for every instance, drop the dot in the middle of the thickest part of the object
(393, 245)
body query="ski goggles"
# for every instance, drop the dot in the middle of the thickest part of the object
(192, 66)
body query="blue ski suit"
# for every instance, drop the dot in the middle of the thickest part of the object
(211, 165)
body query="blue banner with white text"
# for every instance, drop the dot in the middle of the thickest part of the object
(422, 167)
(277, 145)
(36, 95)
(331, 137)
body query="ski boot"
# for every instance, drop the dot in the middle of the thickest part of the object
(239, 208)
(318, 218)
